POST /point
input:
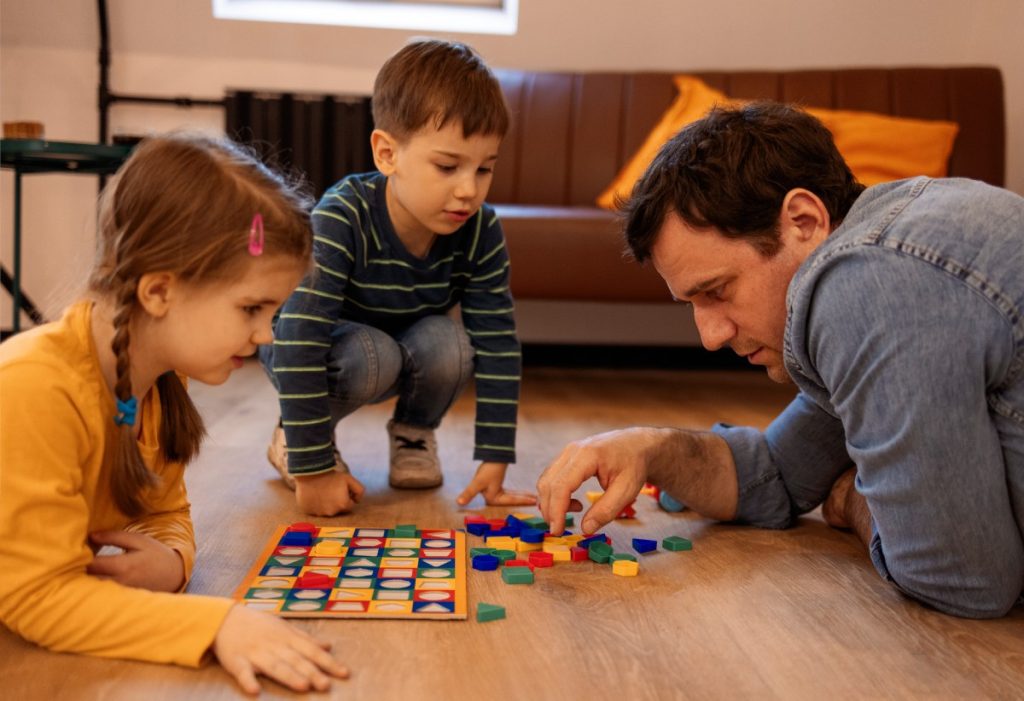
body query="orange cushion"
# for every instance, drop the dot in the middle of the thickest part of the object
(877, 147)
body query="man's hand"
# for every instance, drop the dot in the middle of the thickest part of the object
(328, 493)
(621, 462)
(489, 481)
(146, 563)
(251, 642)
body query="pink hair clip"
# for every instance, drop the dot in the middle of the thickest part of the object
(256, 235)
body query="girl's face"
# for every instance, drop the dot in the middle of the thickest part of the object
(207, 330)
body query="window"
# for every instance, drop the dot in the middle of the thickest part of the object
(468, 16)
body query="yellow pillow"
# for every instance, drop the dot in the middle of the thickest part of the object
(878, 148)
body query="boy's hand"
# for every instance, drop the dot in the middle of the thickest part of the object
(328, 493)
(251, 642)
(146, 563)
(489, 481)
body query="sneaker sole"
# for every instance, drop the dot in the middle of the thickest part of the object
(416, 482)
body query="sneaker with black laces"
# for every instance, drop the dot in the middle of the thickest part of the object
(414, 462)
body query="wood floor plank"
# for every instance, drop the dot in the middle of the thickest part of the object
(747, 614)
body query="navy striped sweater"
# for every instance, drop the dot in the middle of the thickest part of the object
(365, 274)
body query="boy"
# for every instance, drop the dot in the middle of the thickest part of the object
(396, 250)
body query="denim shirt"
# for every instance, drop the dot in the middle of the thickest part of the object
(905, 336)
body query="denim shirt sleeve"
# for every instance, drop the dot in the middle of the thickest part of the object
(789, 468)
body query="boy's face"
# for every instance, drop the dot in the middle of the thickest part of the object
(437, 178)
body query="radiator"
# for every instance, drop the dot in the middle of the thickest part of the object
(320, 138)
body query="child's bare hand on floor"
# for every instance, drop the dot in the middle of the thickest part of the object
(250, 643)
(489, 481)
(146, 563)
(328, 493)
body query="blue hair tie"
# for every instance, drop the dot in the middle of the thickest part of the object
(126, 411)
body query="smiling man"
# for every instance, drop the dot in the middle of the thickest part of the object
(897, 310)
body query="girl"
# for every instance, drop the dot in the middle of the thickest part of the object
(198, 245)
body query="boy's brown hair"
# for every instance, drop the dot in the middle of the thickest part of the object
(435, 81)
(183, 204)
(731, 171)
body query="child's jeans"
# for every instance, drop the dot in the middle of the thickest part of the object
(425, 364)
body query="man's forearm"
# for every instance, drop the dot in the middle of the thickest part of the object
(697, 468)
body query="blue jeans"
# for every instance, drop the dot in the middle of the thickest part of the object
(426, 364)
(905, 335)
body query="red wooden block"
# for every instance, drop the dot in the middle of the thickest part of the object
(578, 554)
(628, 512)
(474, 519)
(302, 527)
(518, 563)
(314, 580)
(496, 524)
(541, 559)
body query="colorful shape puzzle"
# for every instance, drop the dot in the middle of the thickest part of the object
(308, 571)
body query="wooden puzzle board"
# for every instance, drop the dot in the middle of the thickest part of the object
(359, 572)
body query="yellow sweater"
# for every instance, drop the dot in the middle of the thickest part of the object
(56, 422)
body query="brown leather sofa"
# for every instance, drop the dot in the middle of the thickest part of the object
(572, 132)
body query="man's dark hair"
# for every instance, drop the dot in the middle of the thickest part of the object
(731, 171)
(436, 81)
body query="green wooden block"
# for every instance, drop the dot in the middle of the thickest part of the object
(517, 575)
(569, 520)
(623, 556)
(536, 522)
(404, 531)
(676, 543)
(473, 552)
(599, 552)
(504, 555)
(489, 612)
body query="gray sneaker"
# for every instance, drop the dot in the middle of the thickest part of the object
(277, 454)
(414, 462)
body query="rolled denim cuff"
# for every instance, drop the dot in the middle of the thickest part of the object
(762, 499)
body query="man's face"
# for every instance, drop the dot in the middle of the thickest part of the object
(738, 295)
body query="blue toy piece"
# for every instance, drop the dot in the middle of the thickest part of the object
(642, 545)
(666, 502)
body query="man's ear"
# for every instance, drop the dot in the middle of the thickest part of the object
(384, 147)
(804, 217)
(155, 292)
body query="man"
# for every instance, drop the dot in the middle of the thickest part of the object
(898, 311)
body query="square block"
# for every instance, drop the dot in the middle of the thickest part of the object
(352, 594)
(433, 606)
(562, 555)
(578, 554)
(390, 607)
(541, 559)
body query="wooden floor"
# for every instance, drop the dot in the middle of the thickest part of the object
(747, 614)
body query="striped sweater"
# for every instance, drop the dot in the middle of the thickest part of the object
(364, 274)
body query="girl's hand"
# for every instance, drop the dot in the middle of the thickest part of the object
(146, 563)
(489, 481)
(250, 642)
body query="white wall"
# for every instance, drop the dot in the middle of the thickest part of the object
(48, 73)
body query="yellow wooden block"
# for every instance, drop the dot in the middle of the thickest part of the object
(562, 555)
(625, 568)
(554, 540)
(556, 548)
(594, 496)
(502, 542)
(328, 548)
(572, 540)
(522, 516)
(522, 547)
(649, 491)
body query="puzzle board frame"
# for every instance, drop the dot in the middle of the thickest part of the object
(407, 578)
